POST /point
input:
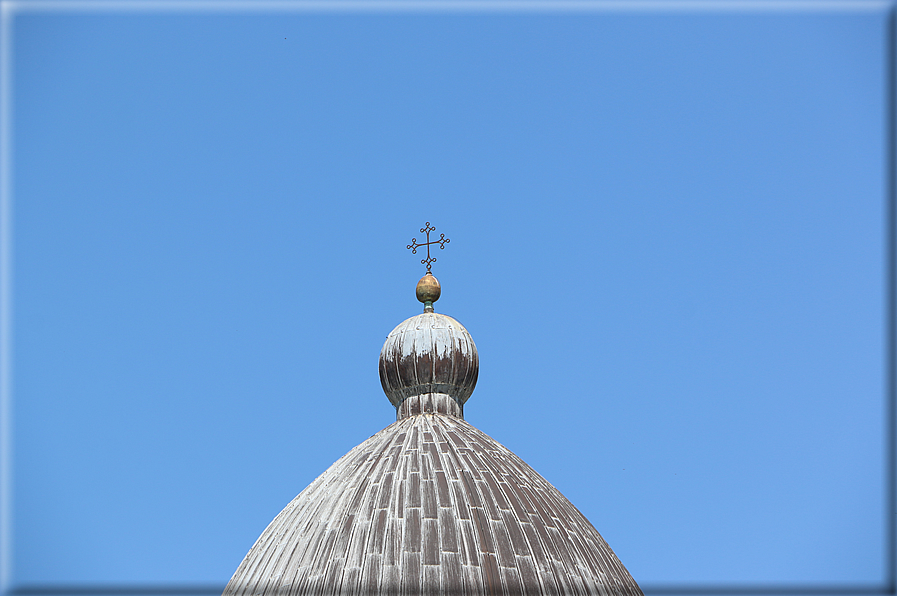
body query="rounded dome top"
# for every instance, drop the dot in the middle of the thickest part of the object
(430, 353)
(431, 505)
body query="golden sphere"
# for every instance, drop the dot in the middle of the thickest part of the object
(428, 289)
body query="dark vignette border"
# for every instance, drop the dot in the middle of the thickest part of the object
(650, 590)
(888, 587)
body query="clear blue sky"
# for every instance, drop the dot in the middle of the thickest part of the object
(667, 240)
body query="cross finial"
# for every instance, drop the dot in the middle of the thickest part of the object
(441, 242)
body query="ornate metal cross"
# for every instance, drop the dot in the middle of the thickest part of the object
(441, 242)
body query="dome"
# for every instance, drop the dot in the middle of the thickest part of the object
(430, 504)
(429, 359)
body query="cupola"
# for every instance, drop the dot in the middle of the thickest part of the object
(429, 362)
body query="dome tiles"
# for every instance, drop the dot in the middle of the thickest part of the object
(430, 505)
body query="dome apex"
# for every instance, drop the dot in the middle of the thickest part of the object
(431, 362)
(428, 291)
(430, 505)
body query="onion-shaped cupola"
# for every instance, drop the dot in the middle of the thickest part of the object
(429, 362)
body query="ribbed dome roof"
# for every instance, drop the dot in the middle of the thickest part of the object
(430, 504)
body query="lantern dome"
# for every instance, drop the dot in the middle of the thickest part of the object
(430, 362)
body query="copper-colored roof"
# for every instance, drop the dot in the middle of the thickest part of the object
(430, 504)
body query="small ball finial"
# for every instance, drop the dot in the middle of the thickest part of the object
(428, 291)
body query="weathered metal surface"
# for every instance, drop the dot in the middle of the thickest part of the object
(429, 353)
(428, 291)
(429, 403)
(430, 505)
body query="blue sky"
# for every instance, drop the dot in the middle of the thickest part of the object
(667, 240)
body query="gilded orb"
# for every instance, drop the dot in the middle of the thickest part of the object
(428, 289)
